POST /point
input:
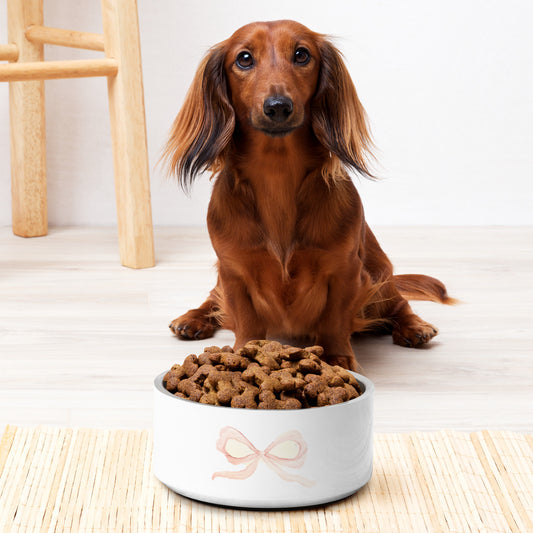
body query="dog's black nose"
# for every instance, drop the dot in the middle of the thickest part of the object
(277, 108)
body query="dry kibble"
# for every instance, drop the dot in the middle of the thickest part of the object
(297, 394)
(213, 349)
(209, 358)
(308, 366)
(352, 391)
(314, 388)
(349, 379)
(272, 346)
(225, 393)
(292, 353)
(267, 396)
(201, 374)
(316, 350)
(289, 365)
(291, 403)
(267, 359)
(282, 380)
(332, 396)
(249, 350)
(209, 398)
(255, 373)
(189, 387)
(261, 375)
(233, 361)
(190, 365)
(195, 395)
(177, 371)
(245, 400)
(173, 377)
(333, 379)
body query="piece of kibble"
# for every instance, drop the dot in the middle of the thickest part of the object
(209, 398)
(212, 349)
(314, 386)
(289, 365)
(332, 378)
(256, 374)
(217, 375)
(202, 374)
(351, 390)
(272, 346)
(282, 380)
(332, 396)
(176, 371)
(292, 353)
(269, 400)
(209, 358)
(266, 395)
(261, 375)
(245, 400)
(190, 365)
(171, 383)
(267, 359)
(249, 350)
(348, 378)
(189, 388)
(316, 350)
(260, 343)
(290, 403)
(226, 391)
(233, 361)
(308, 366)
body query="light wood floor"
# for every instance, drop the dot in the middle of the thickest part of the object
(81, 338)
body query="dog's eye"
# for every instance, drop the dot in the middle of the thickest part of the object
(245, 60)
(302, 56)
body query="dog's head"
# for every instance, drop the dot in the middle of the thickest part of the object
(272, 78)
(272, 72)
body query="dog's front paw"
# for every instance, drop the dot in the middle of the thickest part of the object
(413, 332)
(192, 326)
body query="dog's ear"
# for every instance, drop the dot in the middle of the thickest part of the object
(204, 125)
(338, 117)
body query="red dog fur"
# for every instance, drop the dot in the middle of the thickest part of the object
(273, 113)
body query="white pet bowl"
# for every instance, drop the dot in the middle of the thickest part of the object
(263, 458)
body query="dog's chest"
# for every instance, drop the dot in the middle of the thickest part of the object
(289, 291)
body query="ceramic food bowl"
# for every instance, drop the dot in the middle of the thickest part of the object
(263, 458)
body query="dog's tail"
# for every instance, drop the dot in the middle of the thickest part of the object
(421, 287)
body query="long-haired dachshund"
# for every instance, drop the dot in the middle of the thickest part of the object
(273, 113)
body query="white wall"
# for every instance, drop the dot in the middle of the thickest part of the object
(448, 87)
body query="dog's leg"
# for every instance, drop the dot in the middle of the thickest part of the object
(393, 315)
(199, 323)
(242, 317)
(334, 328)
(388, 305)
(408, 329)
(338, 351)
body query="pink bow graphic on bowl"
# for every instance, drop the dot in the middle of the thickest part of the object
(289, 449)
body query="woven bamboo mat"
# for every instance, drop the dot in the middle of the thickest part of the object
(54, 479)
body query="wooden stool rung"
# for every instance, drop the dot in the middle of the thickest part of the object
(49, 70)
(73, 39)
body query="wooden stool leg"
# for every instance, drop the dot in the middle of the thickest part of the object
(28, 139)
(128, 129)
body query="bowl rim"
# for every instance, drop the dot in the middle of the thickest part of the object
(366, 382)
